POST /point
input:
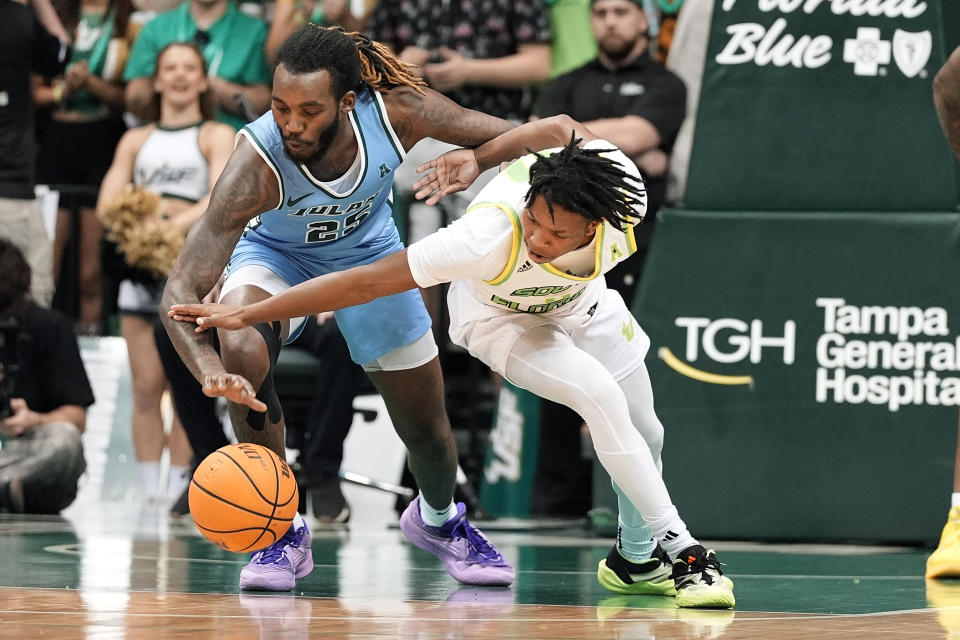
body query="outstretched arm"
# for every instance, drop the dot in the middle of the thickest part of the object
(946, 98)
(329, 292)
(456, 170)
(416, 116)
(246, 188)
(546, 133)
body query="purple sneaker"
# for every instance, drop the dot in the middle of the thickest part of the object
(467, 555)
(277, 567)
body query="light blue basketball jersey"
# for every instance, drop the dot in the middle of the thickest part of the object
(315, 222)
(314, 231)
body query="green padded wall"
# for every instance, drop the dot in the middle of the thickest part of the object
(823, 105)
(778, 425)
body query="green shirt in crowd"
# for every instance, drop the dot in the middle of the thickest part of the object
(573, 41)
(232, 47)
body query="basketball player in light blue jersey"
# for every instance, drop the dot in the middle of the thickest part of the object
(307, 192)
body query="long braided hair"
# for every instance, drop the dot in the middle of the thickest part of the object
(351, 59)
(583, 181)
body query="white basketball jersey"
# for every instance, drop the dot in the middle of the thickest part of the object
(526, 286)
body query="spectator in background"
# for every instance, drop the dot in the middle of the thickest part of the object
(180, 158)
(85, 126)
(232, 44)
(624, 96)
(573, 41)
(197, 412)
(290, 15)
(945, 561)
(485, 55)
(44, 395)
(27, 45)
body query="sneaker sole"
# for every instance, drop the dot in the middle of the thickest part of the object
(275, 580)
(472, 574)
(945, 569)
(610, 581)
(708, 596)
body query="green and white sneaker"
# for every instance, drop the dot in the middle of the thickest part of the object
(699, 581)
(651, 577)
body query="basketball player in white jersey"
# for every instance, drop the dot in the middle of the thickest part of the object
(528, 298)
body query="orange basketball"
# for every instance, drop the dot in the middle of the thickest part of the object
(243, 497)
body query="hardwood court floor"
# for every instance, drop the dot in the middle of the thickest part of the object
(110, 573)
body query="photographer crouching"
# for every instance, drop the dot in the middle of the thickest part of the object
(44, 395)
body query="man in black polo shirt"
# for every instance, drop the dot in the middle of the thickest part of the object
(44, 395)
(624, 96)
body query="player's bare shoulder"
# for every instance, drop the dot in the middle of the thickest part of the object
(416, 115)
(405, 109)
(246, 188)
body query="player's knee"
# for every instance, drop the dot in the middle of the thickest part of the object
(62, 444)
(51, 484)
(245, 353)
(588, 394)
(423, 433)
(254, 356)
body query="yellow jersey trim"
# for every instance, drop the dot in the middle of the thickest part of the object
(596, 261)
(515, 243)
(631, 239)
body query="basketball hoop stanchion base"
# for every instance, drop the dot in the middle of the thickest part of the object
(365, 481)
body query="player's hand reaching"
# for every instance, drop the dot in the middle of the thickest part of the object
(234, 388)
(205, 316)
(452, 172)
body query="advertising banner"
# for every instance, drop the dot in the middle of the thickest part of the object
(506, 487)
(819, 105)
(806, 368)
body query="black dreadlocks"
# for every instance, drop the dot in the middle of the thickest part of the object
(583, 181)
(351, 59)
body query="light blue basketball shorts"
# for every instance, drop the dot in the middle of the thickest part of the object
(372, 329)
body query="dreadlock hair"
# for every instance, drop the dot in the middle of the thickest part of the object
(583, 181)
(15, 283)
(351, 59)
